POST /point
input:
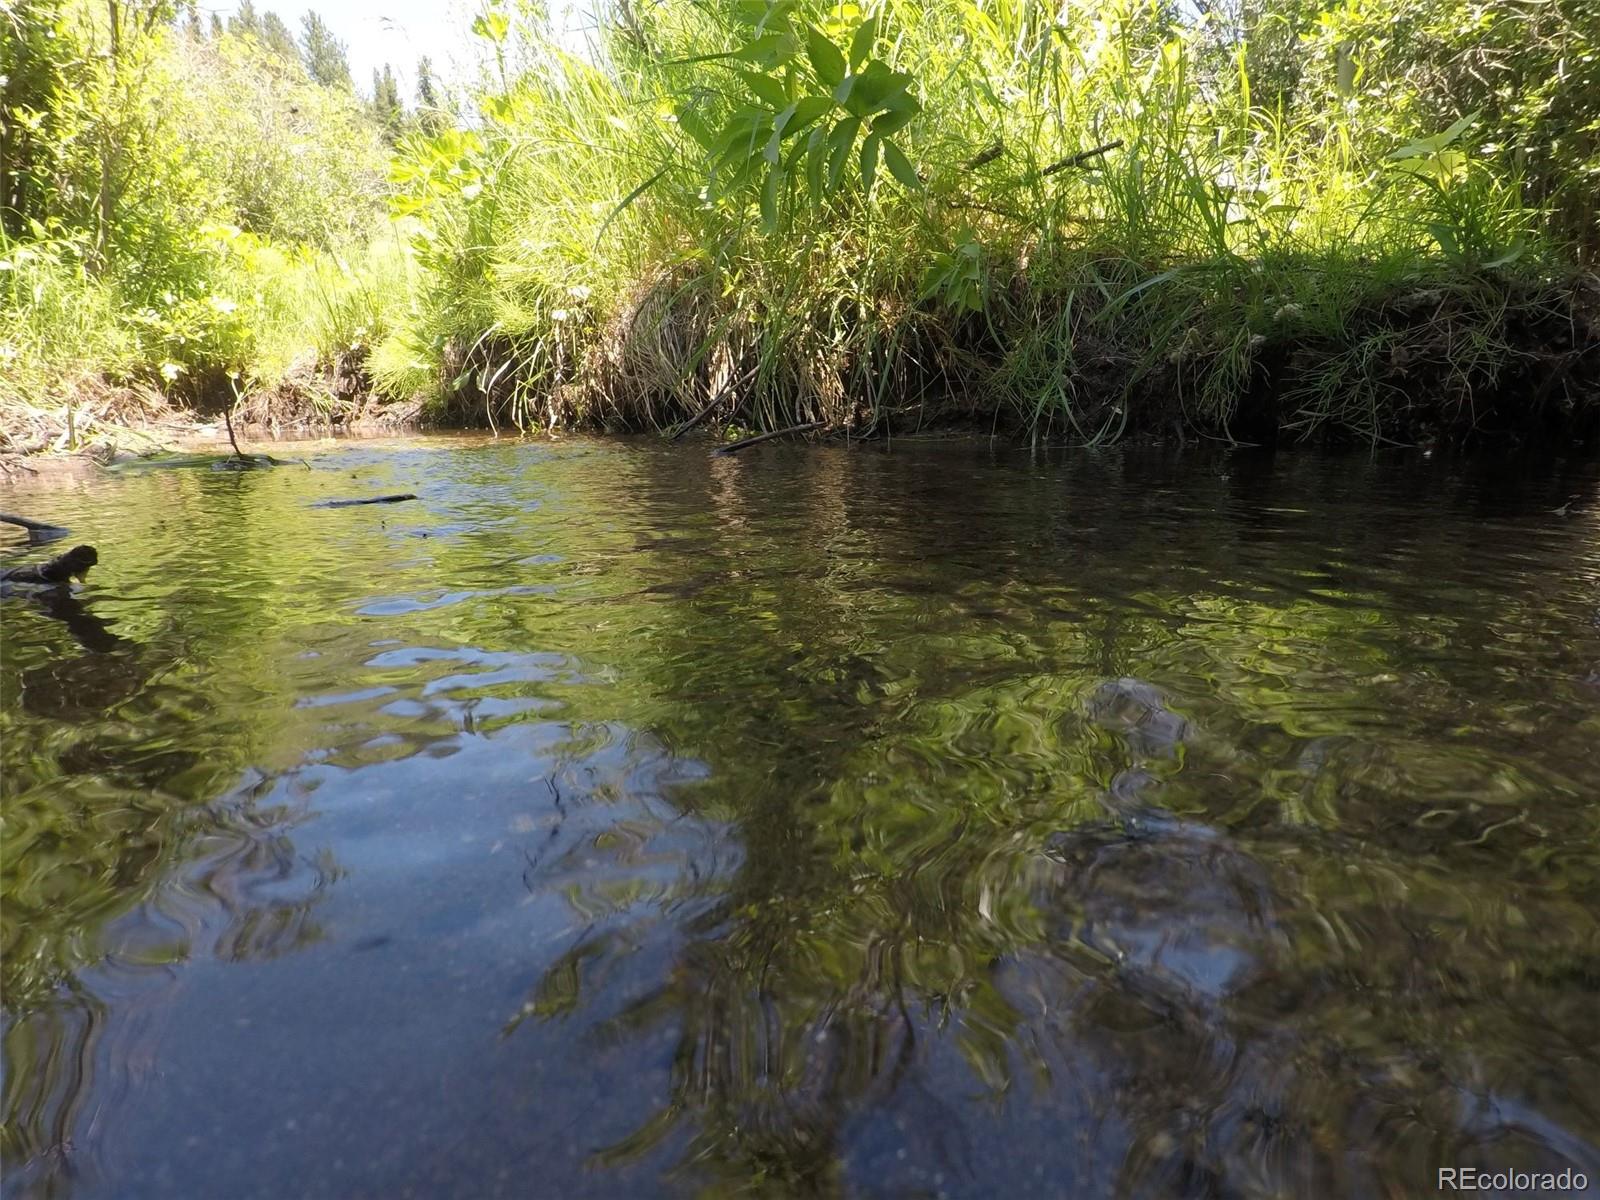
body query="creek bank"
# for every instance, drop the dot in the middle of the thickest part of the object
(1489, 365)
(1447, 360)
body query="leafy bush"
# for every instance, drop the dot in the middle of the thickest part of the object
(169, 200)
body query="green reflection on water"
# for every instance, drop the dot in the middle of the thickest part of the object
(1229, 810)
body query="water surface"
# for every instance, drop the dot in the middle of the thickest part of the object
(937, 820)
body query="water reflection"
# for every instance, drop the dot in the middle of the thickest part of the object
(942, 822)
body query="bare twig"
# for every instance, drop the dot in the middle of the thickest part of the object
(1077, 160)
(395, 499)
(228, 421)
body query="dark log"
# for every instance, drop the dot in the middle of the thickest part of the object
(735, 447)
(395, 499)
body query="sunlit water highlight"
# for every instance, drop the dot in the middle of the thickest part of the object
(944, 820)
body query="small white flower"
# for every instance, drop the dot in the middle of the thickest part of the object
(560, 314)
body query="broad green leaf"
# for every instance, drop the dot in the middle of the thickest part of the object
(694, 125)
(776, 18)
(1459, 127)
(745, 130)
(875, 89)
(801, 113)
(840, 142)
(1509, 257)
(744, 171)
(861, 43)
(793, 158)
(1446, 238)
(773, 150)
(870, 148)
(825, 57)
(1423, 147)
(897, 118)
(765, 88)
(899, 165)
(766, 48)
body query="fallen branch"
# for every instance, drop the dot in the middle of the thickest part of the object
(735, 447)
(395, 499)
(712, 403)
(38, 531)
(1077, 160)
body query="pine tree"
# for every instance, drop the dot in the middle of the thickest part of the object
(245, 21)
(429, 114)
(276, 37)
(322, 53)
(386, 107)
(426, 96)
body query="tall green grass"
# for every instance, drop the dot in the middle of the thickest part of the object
(1095, 225)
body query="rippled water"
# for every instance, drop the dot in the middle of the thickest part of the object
(940, 820)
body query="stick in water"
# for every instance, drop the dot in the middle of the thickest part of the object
(712, 403)
(735, 447)
(395, 499)
(38, 531)
(238, 453)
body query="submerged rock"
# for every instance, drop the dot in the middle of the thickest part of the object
(1138, 711)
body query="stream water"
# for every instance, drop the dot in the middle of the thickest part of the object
(929, 820)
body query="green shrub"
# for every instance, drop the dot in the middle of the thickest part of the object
(173, 202)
